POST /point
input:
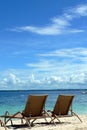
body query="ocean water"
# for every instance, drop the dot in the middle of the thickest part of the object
(14, 101)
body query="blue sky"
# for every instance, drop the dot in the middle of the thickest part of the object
(43, 44)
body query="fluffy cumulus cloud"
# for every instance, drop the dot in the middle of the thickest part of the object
(46, 82)
(58, 25)
(11, 81)
(70, 72)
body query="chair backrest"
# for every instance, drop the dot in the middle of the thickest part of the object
(35, 105)
(63, 104)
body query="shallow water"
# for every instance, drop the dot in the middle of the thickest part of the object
(14, 101)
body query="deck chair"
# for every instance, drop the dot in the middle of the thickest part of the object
(62, 108)
(34, 109)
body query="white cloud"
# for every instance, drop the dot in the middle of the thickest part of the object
(46, 81)
(49, 73)
(71, 59)
(43, 65)
(80, 53)
(58, 25)
(81, 10)
(78, 78)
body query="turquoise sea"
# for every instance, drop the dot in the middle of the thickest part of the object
(14, 101)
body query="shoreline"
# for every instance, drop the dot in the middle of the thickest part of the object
(68, 123)
(59, 89)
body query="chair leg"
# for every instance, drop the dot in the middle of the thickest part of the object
(32, 122)
(27, 122)
(22, 121)
(76, 116)
(45, 120)
(7, 120)
(2, 124)
(55, 117)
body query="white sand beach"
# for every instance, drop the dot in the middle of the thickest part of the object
(68, 123)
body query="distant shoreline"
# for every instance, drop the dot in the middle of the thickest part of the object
(44, 89)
